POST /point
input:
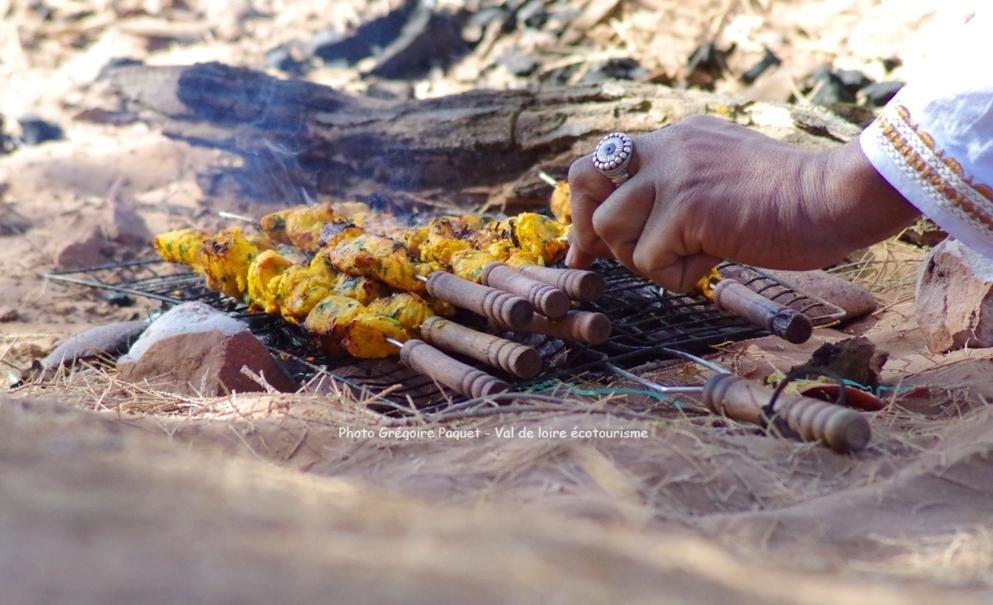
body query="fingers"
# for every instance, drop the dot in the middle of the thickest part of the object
(588, 189)
(684, 273)
(666, 255)
(621, 218)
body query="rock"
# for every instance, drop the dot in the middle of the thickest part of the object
(122, 225)
(101, 341)
(201, 351)
(118, 229)
(86, 248)
(923, 233)
(13, 223)
(35, 130)
(880, 93)
(955, 298)
(853, 299)
(855, 359)
(8, 314)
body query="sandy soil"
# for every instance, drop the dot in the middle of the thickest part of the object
(124, 493)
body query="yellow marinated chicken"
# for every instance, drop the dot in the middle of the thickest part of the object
(540, 236)
(706, 284)
(264, 277)
(469, 264)
(441, 238)
(300, 225)
(561, 203)
(226, 258)
(409, 309)
(302, 287)
(182, 246)
(343, 325)
(378, 257)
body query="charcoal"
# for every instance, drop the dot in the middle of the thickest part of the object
(616, 69)
(36, 130)
(519, 64)
(116, 63)
(880, 93)
(768, 60)
(332, 47)
(429, 39)
(832, 92)
(707, 63)
(852, 78)
(532, 14)
(283, 58)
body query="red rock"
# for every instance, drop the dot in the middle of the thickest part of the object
(117, 230)
(8, 314)
(195, 349)
(955, 298)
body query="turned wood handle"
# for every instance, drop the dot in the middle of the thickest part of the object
(577, 283)
(841, 429)
(547, 300)
(577, 326)
(520, 360)
(779, 319)
(461, 378)
(500, 306)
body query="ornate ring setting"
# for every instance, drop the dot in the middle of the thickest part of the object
(612, 156)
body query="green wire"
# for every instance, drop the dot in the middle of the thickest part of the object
(550, 385)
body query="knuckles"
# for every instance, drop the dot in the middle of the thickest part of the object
(581, 172)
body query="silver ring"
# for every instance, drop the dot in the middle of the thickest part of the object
(612, 156)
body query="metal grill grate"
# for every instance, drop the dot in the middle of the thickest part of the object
(645, 321)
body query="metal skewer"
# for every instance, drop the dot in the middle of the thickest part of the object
(237, 217)
(842, 429)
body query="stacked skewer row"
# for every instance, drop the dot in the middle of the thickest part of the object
(361, 284)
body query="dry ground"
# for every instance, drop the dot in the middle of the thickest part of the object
(127, 493)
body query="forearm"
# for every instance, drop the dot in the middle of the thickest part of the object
(863, 208)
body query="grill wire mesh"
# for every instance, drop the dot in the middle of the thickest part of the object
(645, 321)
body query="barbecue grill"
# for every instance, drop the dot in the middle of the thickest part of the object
(646, 321)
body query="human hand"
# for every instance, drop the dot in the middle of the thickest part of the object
(706, 189)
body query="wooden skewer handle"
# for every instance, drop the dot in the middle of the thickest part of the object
(577, 283)
(452, 373)
(520, 360)
(577, 326)
(547, 300)
(502, 307)
(841, 429)
(779, 319)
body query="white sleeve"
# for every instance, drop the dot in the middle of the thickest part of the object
(934, 141)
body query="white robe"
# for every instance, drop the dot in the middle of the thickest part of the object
(934, 141)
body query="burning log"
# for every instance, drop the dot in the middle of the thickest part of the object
(298, 140)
